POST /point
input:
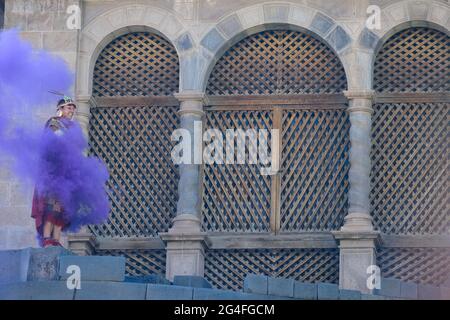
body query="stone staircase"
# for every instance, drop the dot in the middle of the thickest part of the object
(48, 274)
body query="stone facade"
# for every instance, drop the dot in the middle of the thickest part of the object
(201, 30)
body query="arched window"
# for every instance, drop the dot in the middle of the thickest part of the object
(290, 81)
(135, 77)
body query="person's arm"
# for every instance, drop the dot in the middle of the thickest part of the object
(54, 125)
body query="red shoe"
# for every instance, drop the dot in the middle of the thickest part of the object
(47, 242)
(56, 243)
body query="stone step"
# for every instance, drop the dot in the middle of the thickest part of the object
(30, 264)
(93, 268)
(58, 290)
(151, 278)
(191, 281)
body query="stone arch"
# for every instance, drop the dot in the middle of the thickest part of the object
(402, 28)
(250, 20)
(408, 13)
(397, 17)
(117, 22)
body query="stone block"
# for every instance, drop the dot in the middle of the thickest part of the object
(345, 294)
(281, 287)
(94, 268)
(327, 291)
(408, 290)
(163, 292)
(40, 21)
(191, 281)
(302, 15)
(428, 292)
(445, 293)
(251, 16)
(170, 26)
(35, 38)
(372, 297)
(214, 294)
(276, 12)
(321, 23)
(398, 12)
(15, 20)
(368, 39)
(184, 42)
(21, 194)
(36, 290)
(14, 265)
(305, 291)
(389, 288)
(438, 14)
(212, 40)
(230, 26)
(344, 9)
(418, 11)
(4, 194)
(106, 290)
(338, 38)
(256, 284)
(152, 278)
(60, 41)
(44, 263)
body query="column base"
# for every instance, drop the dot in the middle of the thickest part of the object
(82, 243)
(357, 222)
(185, 223)
(356, 254)
(185, 253)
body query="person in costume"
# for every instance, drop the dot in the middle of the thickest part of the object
(46, 209)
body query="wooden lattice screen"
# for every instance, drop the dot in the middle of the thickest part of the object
(130, 128)
(277, 62)
(136, 64)
(314, 182)
(226, 269)
(410, 150)
(290, 81)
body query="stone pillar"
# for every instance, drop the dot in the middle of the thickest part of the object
(83, 112)
(83, 242)
(357, 236)
(185, 243)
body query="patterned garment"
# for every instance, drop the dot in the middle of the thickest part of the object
(46, 207)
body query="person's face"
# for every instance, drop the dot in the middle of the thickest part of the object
(68, 111)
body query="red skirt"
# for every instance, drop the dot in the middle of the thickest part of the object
(45, 209)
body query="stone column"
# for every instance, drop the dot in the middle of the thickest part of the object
(185, 243)
(83, 242)
(83, 112)
(357, 236)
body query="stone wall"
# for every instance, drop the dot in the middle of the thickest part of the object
(43, 24)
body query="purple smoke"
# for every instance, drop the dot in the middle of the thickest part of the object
(53, 163)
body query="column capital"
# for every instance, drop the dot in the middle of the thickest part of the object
(85, 99)
(359, 94)
(190, 96)
(360, 100)
(85, 102)
(191, 102)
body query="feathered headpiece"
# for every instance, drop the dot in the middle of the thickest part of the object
(65, 101)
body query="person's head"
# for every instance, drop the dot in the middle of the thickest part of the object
(66, 108)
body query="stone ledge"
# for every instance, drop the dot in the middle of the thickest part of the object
(94, 268)
(191, 281)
